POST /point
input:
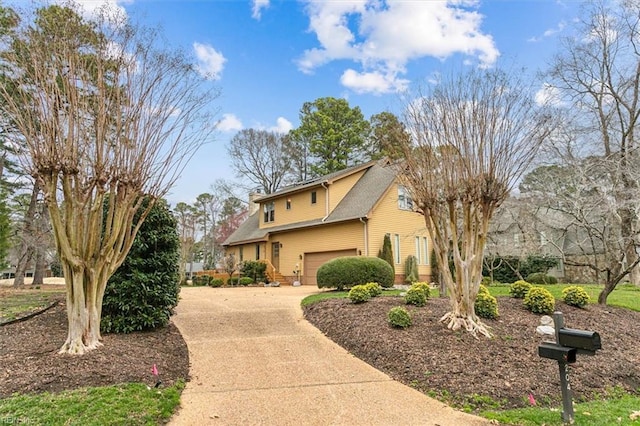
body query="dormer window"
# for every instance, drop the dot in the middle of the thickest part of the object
(404, 199)
(269, 212)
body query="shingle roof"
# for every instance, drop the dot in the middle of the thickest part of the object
(358, 203)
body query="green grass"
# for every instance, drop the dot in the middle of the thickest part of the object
(335, 294)
(615, 411)
(130, 404)
(14, 304)
(625, 295)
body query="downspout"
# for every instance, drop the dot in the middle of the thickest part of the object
(366, 235)
(326, 201)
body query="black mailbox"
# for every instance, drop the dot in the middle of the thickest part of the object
(585, 341)
(557, 352)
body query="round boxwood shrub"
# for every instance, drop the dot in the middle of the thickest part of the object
(519, 289)
(539, 301)
(575, 296)
(486, 306)
(415, 297)
(201, 280)
(216, 282)
(245, 281)
(541, 278)
(423, 287)
(143, 291)
(233, 281)
(359, 294)
(374, 289)
(399, 317)
(345, 272)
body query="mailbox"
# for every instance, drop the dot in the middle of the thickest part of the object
(559, 353)
(587, 342)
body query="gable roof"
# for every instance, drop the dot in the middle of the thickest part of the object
(358, 203)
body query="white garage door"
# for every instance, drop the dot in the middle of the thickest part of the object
(312, 261)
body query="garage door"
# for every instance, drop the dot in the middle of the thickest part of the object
(312, 261)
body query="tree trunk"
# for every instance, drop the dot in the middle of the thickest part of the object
(83, 311)
(25, 249)
(38, 273)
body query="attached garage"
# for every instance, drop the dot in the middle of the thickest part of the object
(312, 261)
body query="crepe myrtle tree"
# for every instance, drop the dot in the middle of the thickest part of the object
(106, 116)
(473, 135)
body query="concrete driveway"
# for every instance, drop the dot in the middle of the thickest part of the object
(256, 361)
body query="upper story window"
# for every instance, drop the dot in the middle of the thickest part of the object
(314, 197)
(269, 212)
(288, 204)
(404, 199)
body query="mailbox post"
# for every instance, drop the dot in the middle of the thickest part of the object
(569, 343)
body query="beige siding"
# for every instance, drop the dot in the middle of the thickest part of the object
(344, 236)
(339, 189)
(387, 218)
(301, 208)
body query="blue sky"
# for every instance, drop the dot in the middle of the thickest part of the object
(268, 57)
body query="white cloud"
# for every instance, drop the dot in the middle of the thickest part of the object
(383, 36)
(91, 8)
(550, 32)
(372, 82)
(282, 126)
(548, 95)
(258, 5)
(229, 123)
(210, 61)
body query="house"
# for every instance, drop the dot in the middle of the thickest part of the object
(347, 213)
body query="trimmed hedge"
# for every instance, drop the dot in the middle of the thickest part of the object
(345, 272)
(541, 278)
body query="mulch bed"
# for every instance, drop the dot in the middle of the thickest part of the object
(29, 360)
(458, 368)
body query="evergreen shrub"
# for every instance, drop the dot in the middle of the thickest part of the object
(399, 317)
(575, 296)
(345, 272)
(143, 291)
(486, 306)
(541, 278)
(359, 294)
(519, 289)
(374, 289)
(539, 301)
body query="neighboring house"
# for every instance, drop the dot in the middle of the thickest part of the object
(347, 213)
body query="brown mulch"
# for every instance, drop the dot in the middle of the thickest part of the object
(462, 370)
(30, 363)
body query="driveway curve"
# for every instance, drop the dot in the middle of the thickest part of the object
(256, 361)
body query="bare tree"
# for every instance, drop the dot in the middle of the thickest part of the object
(579, 201)
(259, 156)
(473, 137)
(187, 219)
(107, 119)
(597, 75)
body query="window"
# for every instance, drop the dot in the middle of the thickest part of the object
(396, 248)
(426, 253)
(418, 250)
(269, 212)
(241, 253)
(288, 203)
(314, 198)
(257, 251)
(404, 200)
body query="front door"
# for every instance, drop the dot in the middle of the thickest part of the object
(275, 255)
